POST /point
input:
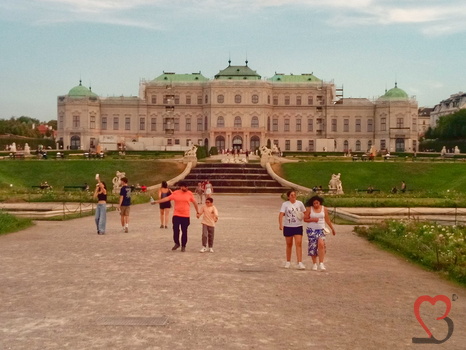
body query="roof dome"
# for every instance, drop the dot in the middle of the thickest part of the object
(395, 94)
(81, 91)
(237, 73)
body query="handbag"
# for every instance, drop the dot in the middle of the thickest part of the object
(326, 230)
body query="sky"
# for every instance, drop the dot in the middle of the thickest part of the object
(364, 46)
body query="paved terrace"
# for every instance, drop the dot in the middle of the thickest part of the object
(64, 287)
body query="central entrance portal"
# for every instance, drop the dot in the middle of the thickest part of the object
(237, 142)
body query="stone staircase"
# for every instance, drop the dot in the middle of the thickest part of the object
(234, 178)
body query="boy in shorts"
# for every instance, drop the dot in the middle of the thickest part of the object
(125, 202)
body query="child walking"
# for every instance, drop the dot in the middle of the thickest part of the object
(208, 224)
(125, 203)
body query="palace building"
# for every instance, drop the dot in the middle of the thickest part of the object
(237, 109)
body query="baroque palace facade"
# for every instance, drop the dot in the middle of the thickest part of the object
(237, 109)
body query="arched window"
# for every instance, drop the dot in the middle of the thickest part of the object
(358, 146)
(220, 143)
(238, 122)
(268, 123)
(345, 146)
(220, 122)
(254, 122)
(255, 143)
(75, 142)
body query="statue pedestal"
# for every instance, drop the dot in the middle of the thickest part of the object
(192, 159)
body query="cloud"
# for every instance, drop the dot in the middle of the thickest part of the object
(430, 17)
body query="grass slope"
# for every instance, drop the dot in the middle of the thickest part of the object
(432, 178)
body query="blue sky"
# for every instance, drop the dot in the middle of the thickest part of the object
(46, 46)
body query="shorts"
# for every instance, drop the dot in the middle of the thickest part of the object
(292, 231)
(124, 210)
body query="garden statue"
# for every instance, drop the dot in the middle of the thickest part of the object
(191, 152)
(443, 151)
(27, 149)
(116, 182)
(457, 150)
(13, 147)
(335, 185)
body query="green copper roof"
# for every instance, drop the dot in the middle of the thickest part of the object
(167, 77)
(238, 73)
(303, 78)
(81, 91)
(395, 94)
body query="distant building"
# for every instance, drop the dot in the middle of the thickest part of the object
(423, 120)
(238, 109)
(449, 106)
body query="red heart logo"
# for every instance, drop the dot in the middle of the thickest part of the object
(432, 301)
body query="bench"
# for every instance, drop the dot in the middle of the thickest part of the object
(75, 188)
(17, 155)
(369, 191)
(42, 187)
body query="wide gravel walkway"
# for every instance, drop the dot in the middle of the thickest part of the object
(64, 287)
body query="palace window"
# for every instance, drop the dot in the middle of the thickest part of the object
(92, 122)
(370, 125)
(287, 125)
(237, 98)
(153, 124)
(76, 121)
(220, 99)
(298, 125)
(310, 125)
(116, 123)
(127, 123)
(345, 125)
(383, 124)
(188, 124)
(220, 122)
(275, 125)
(142, 123)
(254, 122)
(255, 99)
(238, 122)
(358, 125)
(104, 123)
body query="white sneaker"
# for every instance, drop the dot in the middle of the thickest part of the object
(203, 250)
(301, 266)
(322, 267)
(287, 265)
(314, 267)
(211, 250)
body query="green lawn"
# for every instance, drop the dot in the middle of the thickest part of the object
(428, 184)
(419, 177)
(23, 174)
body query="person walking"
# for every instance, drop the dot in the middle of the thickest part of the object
(199, 192)
(182, 198)
(101, 210)
(125, 203)
(316, 216)
(209, 219)
(164, 191)
(209, 189)
(292, 212)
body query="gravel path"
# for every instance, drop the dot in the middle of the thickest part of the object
(62, 286)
